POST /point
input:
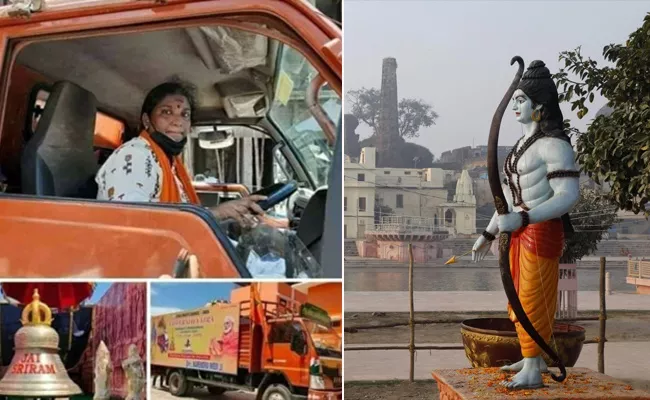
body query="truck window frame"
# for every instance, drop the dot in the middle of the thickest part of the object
(15, 42)
(286, 23)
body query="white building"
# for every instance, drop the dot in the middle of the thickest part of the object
(407, 192)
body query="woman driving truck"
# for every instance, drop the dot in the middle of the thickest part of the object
(148, 168)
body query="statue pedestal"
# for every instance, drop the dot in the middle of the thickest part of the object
(483, 383)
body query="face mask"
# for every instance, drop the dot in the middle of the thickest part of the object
(170, 147)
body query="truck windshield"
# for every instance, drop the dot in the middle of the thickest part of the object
(326, 341)
(272, 252)
(290, 113)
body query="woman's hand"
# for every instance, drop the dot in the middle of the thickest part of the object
(480, 249)
(193, 269)
(241, 210)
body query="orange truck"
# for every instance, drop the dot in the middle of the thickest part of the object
(268, 75)
(279, 349)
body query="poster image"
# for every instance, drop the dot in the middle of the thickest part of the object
(205, 339)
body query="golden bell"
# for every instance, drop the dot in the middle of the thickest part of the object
(36, 370)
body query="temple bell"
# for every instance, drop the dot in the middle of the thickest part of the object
(36, 370)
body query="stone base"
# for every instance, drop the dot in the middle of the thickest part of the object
(483, 383)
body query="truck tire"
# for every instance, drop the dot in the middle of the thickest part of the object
(277, 391)
(216, 390)
(178, 385)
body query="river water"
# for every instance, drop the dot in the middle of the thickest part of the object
(460, 279)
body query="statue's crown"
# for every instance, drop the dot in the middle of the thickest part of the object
(32, 312)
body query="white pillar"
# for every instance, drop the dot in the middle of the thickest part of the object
(247, 164)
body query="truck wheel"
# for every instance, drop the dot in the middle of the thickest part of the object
(277, 392)
(178, 385)
(216, 390)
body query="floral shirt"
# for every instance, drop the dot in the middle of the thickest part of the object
(133, 173)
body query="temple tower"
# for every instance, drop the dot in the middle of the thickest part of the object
(388, 128)
(465, 189)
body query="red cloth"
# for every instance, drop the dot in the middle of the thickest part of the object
(60, 295)
(169, 192)
(546, 239)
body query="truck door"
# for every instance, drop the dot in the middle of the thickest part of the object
(281, 357)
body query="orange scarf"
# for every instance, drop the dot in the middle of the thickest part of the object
(169, 192)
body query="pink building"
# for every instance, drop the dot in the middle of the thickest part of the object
(389, 240)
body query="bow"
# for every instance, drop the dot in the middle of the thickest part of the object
(504, 238)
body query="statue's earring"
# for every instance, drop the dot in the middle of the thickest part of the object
(536, 115)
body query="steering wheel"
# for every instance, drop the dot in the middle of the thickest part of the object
(275, 194)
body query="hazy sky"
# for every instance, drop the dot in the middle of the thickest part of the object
(171, 297)
(456, 55)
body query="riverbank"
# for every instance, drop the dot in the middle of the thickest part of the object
(418, 390)
(623, 360)
(356, 262)
(381, 374)
(467, 301)
(391, 390)
(443, 328)
(469, 278)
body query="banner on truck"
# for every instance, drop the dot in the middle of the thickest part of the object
(205, 339)
(316, 314)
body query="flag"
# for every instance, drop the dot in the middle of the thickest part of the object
(258, 316)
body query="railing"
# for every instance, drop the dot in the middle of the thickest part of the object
(409, 224)
(412, 347)
(638, 269)
(404, 228)
(275, 309)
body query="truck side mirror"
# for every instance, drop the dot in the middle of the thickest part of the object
(298, 344)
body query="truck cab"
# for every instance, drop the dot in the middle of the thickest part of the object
(268, 81)
(307, 354)
(279, 348)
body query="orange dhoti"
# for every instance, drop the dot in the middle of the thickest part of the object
(534, 263)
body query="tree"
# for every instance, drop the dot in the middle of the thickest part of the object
(592, 216)
(413, 114)
(616, 146)
(403, 154)
(352, 147)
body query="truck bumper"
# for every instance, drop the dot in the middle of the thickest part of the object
(324, 395)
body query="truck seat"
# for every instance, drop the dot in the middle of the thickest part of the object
(312, 223)
(58, 160)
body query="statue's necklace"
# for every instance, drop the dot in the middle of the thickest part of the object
(510, 167)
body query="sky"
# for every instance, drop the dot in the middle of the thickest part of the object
(171, 297)
(100, 290)
(456, 55)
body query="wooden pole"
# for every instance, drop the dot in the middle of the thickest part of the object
(411, 324)
(603, 319)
